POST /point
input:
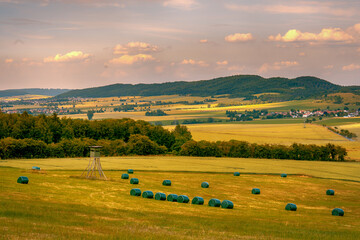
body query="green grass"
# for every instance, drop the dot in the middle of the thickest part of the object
(55, 205)
(339, 121)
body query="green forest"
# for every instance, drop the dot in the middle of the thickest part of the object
(27, 136)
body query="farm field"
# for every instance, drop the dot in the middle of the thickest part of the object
(286, 134)
(58, 205)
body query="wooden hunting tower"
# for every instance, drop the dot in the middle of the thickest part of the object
(94, 169)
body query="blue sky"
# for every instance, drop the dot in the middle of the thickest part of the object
(88, 43)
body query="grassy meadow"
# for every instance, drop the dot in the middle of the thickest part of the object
(56, 204)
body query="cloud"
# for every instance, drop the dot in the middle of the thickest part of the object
(135, 48)
(277, 65)
(203, 41)
(222, 63)
(239, 37)
(181, 4)
(329, 67)
(351, 67)
(326, 35)
(93, 3)
(9, 60)
(131, 59)
(302, 54)
(74, 56)
(298, 7)
(193, 62)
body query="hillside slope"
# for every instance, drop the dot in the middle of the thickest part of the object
(235, 86)
(32, 91)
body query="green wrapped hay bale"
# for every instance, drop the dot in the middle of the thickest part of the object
(130, 171)
(283, 175)
(227, 204)
(172, 197)
(135, 192)
(255, 191)
(183, 199)
(291, 207)
(198, 201)
(205, 185)
(124, 176)
(148, 194)
(214, 202)
(23, 180)
(134, 181)
(166, 183)
(236, 174)
(337, 212)
(160, 196)
(36, 168)
(330, 192)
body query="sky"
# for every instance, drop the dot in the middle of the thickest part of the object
(88, 43)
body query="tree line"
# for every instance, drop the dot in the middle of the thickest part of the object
(26, 136)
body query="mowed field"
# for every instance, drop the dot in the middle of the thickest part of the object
(286, 134)
(56, 204)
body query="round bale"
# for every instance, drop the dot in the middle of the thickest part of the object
(135, 192)
(124, 176)
(130, 171)
(214, 202)
(23, 180)
(172, 197)
(330, 192)
(148, 194)
(166, 183)
(291, 207)
(205, 185)
(227, 204)
(134, 181)
(337, 212)
(255, 191)
(236, 174)
(283, 175)
(198, 201)
(160, 196)
(183, 199)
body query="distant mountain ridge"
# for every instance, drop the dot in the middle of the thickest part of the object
(235, 86)
(32, 91)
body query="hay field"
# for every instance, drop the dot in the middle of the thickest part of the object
(55, 205)
(273, 134)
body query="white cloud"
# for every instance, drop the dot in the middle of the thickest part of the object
(351, 67)
(193, 62)
(277, 65)
(135, 48)
(239, 37)
(222, 63)
(181, 4)
(326, 34)
(74, 56)
(131, 59)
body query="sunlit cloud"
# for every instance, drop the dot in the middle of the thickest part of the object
(222, 63)
(131, 59)
(351, 67)
(193, 62)
(239, 37)
(181, 4)
(203, 41)
(326, 34)
(9, 60)
(74, 56)
(302, 54)
(277, 66)
(329, 66)
(135, 48)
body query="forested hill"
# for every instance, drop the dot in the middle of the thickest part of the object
(32, 91)
(235, 86)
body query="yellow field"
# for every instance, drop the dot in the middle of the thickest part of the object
(354, 128)
(273, 134)
(333, 170)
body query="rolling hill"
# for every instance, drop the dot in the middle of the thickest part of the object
(32, 91)
(235, 86)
